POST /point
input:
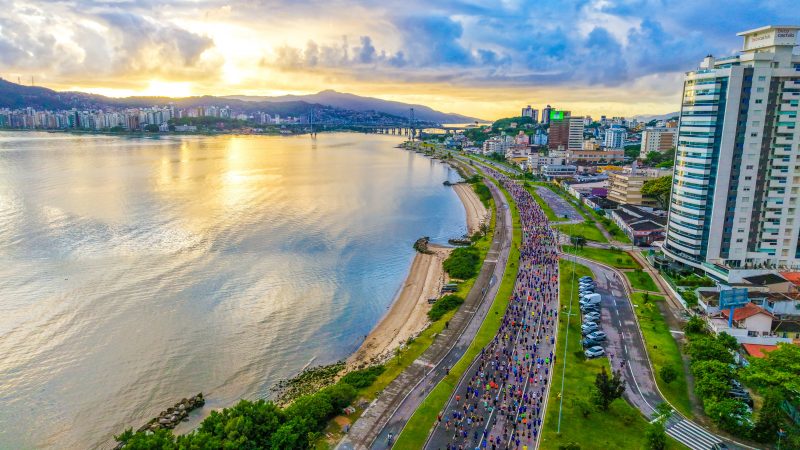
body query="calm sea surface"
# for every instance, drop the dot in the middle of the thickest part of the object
(137, 271)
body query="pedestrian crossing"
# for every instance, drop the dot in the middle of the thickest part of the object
(690, 435)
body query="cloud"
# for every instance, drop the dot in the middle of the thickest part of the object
(78, 41)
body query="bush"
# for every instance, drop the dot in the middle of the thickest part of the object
(443, 305)
(463, 263)
(695, 325)
(360, 379)
(668, 374)
(483, 192)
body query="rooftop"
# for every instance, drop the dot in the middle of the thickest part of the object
(748, 310)
(765, 280)
(758, 350)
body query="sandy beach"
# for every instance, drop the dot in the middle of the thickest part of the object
(408, 314)
(476, 212)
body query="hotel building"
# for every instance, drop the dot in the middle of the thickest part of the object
(734, 210)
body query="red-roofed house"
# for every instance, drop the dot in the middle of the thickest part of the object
(753, 318)
(752, 324)
(757, 350)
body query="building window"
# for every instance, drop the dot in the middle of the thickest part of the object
(762, 78)
(752, 333)
(761, 89)
(759, 101)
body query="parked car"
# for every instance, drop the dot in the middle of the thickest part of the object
(587, 342)
(593, 316)
(596, 336)
(587, 328)
(591, 299)
(590, 308)
(594, 352)
(719, 446)
(585, 278)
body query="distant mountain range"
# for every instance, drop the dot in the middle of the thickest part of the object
(649, 117)
(16, 96)
(357, 103)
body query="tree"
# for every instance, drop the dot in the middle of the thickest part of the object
(578, 241)
(705, 348)
(778, 369)
(160, 439)
(712, 378)
(728, 341)
(668, 374)
(769, 417)
(152, 128)
(656, 436)
(695, 325)
(730, 414)
(659, 189)
(607, 389)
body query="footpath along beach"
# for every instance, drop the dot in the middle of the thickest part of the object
(408, 314)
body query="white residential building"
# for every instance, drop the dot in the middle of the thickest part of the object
(735, 208)
(658, 139)
(615, 137)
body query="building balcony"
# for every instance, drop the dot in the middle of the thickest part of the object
(790, 96)
(786, 129)
(783, 140)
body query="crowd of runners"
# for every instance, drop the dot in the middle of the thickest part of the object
(500, 403)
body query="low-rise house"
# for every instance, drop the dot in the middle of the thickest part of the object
(751, 324)
(642, 225)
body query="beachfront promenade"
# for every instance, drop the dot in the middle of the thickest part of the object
(500, 401)
(395, 405)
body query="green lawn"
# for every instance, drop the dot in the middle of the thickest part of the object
(622, 426)
(418, 427)
(662, 350)
(614, 258)
(588, 230)
(641, 280)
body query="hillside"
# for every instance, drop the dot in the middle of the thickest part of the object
(359, 103)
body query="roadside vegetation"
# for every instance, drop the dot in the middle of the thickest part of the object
(663, 351)
(612, 257)
(641, 280)
(443, 306)
(463, 263)
(587, 229)
(419, 425)
(584, 423)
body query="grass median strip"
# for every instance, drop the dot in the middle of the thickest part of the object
(663, 351)
(611, 257)
(622, 426)
(641, 280)
(418, 427)
(588, 230)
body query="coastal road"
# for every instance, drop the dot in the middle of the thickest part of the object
(395, 405)
(626, 349)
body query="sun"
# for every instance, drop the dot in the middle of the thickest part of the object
(161, 88)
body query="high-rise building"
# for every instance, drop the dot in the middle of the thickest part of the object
(527, 111)
(546, 114)
(615, 137)
(566, 132)
(658, 140)
(734, 210)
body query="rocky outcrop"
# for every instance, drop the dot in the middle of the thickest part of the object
(173, 416)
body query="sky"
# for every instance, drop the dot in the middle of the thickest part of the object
(483, 59)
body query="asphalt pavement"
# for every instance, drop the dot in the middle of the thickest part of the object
(501, 398)
(394, 406)
(626, 349)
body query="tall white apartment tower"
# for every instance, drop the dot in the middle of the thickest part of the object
(735, 208)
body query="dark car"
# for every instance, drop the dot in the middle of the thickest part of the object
(587, 342)
(719, 446)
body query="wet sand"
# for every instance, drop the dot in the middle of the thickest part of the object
(476, 212)
(408, 314)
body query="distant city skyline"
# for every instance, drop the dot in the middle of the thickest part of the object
(591, 57)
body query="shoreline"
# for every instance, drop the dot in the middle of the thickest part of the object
(408, 313)
(477, 213)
